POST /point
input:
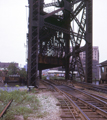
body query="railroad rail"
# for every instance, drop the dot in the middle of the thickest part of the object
(69, 109)
(93, 107)
(4, 110)
(98, 88)
(100, 97)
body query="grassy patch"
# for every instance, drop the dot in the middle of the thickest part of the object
(26, 104)
(43, 77)
(41, 115)
(23, 104)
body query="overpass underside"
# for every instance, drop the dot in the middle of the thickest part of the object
(46, 62)
(54, 28)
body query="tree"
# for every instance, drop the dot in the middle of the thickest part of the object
(22, 72)
(1, 74)
(12, 69)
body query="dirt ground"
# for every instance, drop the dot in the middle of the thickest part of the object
(49, 109)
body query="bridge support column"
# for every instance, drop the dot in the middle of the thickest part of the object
(67, 38)
(33, 42)
(40, 74)
(89, 39)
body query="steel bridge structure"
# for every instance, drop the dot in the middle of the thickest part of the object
(54, 28)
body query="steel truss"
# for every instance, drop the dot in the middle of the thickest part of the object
(51, 33)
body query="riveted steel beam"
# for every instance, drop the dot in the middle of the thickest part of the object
(50, 34)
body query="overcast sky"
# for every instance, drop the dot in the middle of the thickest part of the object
(13, 29)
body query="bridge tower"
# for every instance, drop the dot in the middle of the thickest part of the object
(52, 33)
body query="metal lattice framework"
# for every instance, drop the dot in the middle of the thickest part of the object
(51, 33)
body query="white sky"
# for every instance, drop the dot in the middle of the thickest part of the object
(13, 29)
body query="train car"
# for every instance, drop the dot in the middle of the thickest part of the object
(103, 67)
(12, 79)
(15, 79)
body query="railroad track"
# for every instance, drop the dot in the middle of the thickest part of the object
(99, 88)
(70, 111)
(5, 109)
(90, 107)
(98, 96)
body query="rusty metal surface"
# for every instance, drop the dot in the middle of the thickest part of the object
(51, 33)
(51, 60)
(46, 62)
(4, 110)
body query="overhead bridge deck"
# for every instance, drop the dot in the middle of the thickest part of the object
(46, 62)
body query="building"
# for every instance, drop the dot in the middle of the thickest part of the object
(25, 66)
(95, 60)
(4, 65)
(95, 54)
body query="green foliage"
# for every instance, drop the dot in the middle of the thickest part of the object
(17, 85)
(12, 69)
(56, 78)
(33, 90)
(1, 74)
(43, 77)
(23, 104)
(17, 96)
(22, 72)
(8, 116)
(41, 115)
(21, 110)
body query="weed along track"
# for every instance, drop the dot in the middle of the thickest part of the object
(37, 104)
(80, 105)
(23, 104)
(53, 102)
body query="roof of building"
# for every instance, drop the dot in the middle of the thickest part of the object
(6, 65)
(104, 63)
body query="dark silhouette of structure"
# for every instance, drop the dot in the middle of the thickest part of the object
(51, 34)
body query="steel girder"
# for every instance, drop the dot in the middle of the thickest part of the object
(89, 6)
(33, 40)
(85, 31)
(52, 33)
